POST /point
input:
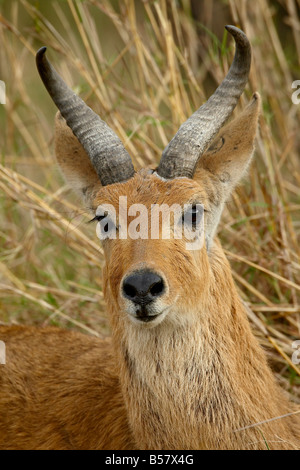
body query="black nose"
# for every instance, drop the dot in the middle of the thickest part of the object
(142, 287)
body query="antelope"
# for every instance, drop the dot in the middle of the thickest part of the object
(182, 369)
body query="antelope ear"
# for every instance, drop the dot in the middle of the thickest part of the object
(73, 160)
(225, 162)
(230, 153)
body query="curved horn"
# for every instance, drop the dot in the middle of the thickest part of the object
(180, 156)
(104, 148)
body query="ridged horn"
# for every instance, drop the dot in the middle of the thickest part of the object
(181, 155)
(104, 148)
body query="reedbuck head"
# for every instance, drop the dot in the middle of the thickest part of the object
(153, 279)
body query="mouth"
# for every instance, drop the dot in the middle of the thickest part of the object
(143, 317)
(144, 314)
(146, 318)
(147, 315)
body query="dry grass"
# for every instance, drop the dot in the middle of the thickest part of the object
(145, 66)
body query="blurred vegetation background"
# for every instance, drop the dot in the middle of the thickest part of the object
(145, 66)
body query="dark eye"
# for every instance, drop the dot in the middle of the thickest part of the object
(193, 215)
(106, 224)
(105, 228)
(99, 217)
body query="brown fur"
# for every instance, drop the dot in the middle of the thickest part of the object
(191, 381)
(56, 388)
